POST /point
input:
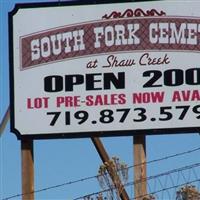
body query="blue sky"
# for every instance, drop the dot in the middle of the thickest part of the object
(63, 160)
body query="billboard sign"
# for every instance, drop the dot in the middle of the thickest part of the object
(104, 69)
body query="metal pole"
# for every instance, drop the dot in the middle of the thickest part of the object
(140, 186)
(27, 170)
(105, 158)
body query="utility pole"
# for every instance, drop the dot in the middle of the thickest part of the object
(105, 158)
(4, 120)
(140, 186)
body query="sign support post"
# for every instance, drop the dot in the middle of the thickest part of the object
(27, 169)
(140, 186)
(105, 158)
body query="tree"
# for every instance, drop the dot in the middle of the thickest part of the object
(188, 192)
(119, 171)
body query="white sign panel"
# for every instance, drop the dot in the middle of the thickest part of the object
(122, 68)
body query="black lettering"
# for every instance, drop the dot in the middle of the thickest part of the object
(90, 81)
(71, 80)
(118, 82)
(53, 83)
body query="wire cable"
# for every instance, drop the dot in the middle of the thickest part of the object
(151, 177)
(93, 177)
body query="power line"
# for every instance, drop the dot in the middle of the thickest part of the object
(151, 177)
(52, 187)
(155, 192)
(167, 157)
(169, 188)
(92, 177)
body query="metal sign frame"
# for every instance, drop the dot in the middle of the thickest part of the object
(144, 130)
